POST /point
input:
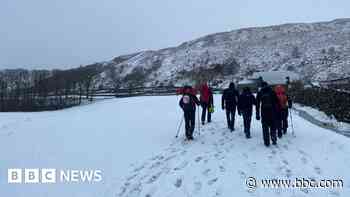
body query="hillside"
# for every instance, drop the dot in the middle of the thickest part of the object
(315, 51)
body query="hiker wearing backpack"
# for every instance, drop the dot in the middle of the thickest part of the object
(266, 105)
(188, 104)
(229, 101)
(284, 102)
(245, 107)
(206, 100)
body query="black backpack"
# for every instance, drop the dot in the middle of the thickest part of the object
(266, 100)
(187, 102)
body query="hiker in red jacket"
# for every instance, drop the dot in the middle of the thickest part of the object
(284, 102)
(206, 100)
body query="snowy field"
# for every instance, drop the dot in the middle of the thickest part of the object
(132, 141)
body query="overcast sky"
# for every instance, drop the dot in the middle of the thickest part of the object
(69, 33)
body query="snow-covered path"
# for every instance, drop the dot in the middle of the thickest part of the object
(132, 141)
(219, 162)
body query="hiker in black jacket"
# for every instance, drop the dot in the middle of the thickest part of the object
(188, 104)
(245, 107)
(267, 105)
(229, 102)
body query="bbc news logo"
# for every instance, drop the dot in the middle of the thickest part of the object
(47, 176)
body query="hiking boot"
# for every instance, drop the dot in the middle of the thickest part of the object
(274, 143)
(285, 131)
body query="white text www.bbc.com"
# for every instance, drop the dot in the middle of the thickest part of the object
(252, 183)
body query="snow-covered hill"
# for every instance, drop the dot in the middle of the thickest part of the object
(316, 51)
(139, 156)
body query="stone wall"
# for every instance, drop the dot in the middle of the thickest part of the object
(330, 101)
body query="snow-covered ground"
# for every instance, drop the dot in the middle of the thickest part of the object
(132, 141)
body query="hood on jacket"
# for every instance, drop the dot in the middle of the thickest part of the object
(232, 85)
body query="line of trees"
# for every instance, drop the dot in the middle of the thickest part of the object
(46, 90)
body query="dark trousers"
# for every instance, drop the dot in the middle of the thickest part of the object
(190, 122)
(230, 116)
(282, 122)
(247, 119)
(205, 111)
(269, 127)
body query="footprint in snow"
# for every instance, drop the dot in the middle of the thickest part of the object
(218, 192)
(155, 165)
(305, 190)
(178, 183)
(212, 181)
(270, 157)
(245, 155)
(170, 157)
(151, 192)
(139, 168)
(285, 162)
(181, 166)
(131, 177)
(197, 186)
(317, 170)
(183, 152)
(242, 174)
(219, 156)
(206, 172)
(154, 178)
(289, 173)
(302, 152)
(198, 159)
(135, 190)
(304, 160)
(222, 168)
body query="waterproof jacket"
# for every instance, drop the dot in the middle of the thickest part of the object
(206, 95)
(245, 102)
(188, 102)
(229, 99)
(267, 103)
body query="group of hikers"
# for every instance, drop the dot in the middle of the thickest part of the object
(271, 106)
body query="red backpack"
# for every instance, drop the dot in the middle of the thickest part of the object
(205, 93)
(282, 97)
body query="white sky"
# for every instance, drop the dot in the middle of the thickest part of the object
(67, 33)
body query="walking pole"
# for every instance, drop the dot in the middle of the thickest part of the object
(178, 129)
(199, 124)
(291, 122)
